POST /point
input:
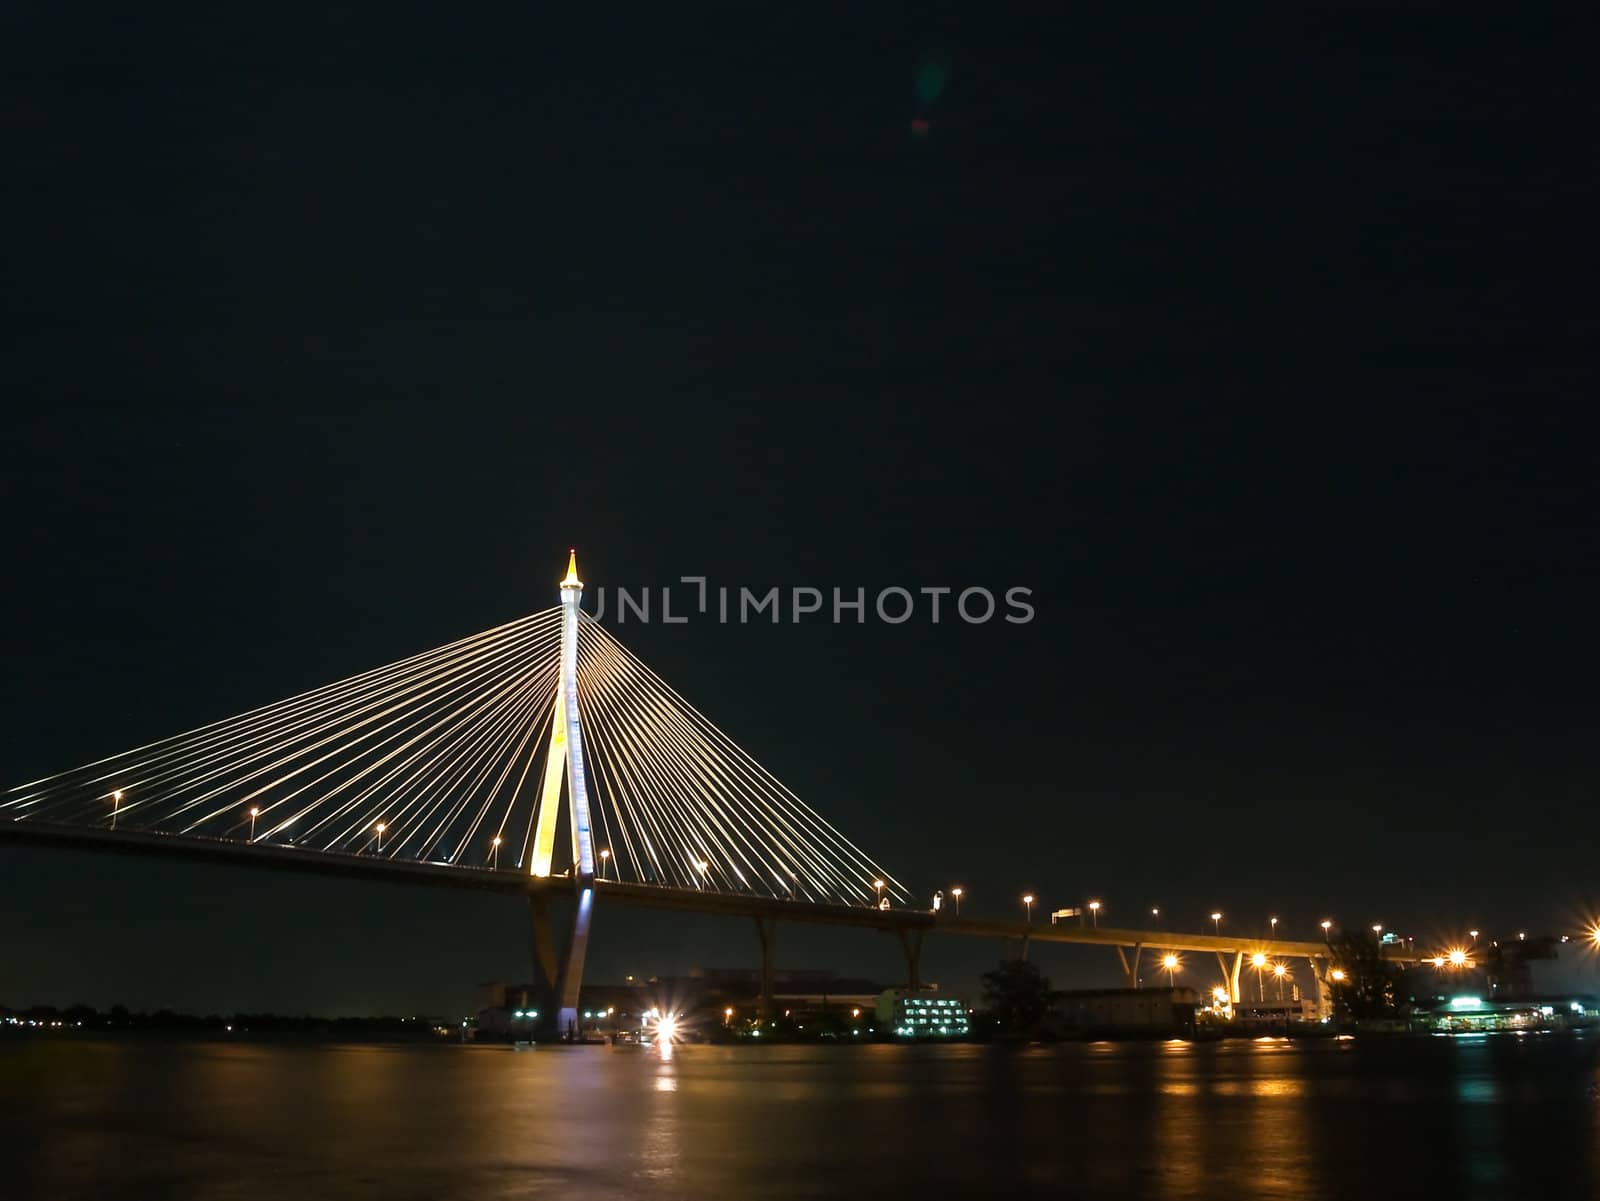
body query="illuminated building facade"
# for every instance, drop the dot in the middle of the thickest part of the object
(922, 1013)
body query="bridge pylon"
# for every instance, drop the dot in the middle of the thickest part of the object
(565, 760)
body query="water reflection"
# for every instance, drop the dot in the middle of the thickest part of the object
(1242, 1120)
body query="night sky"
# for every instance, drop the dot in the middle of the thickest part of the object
(1261, 352)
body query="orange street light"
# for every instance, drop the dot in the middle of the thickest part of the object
(956, 893)
(1027, 903)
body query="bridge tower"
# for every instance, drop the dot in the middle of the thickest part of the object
(565, 759)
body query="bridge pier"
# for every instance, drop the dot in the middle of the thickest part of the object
(1130, 970)
(1230, 976)
(766, 931)
(545, 967)
(1319, 972)
(560, 976)
(911, 944)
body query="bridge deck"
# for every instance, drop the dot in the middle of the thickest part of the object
(511, 881)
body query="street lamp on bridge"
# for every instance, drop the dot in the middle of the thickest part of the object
(380, 828)
(1326, 926)
(1170, 963)
(1027, 904)
(1094, 913)
(494, 852)
(956, 893)
(255, 812)
(1280, 970)
(1216, 923)
(1259, 961)
(605, 861)
(1274, 922)
(116, 803)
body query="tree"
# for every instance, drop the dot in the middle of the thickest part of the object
(1368, 987)
(1017, 995)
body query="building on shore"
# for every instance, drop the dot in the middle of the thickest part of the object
(1476, 1015)
(1113, 1011)
(1275, 1015)
(923, 1013)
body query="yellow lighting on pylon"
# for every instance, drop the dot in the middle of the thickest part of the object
(572, 580)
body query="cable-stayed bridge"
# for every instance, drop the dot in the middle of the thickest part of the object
(460, 766)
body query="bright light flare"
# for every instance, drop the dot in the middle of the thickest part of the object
(1258, 960)
(1456, 957)
(667, 1028)
(1337, 975)
(1170, 962)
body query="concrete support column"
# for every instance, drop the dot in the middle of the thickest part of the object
(911, 944)
(544, 947)
(1319, 970)
(766, 931)
(571, 982)
(559, 972)
(1130, 968)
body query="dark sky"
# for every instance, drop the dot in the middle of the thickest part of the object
(1262, 352)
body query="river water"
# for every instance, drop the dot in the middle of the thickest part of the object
(1489, 1117)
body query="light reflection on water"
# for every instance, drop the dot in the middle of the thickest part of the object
(1489, 1118)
